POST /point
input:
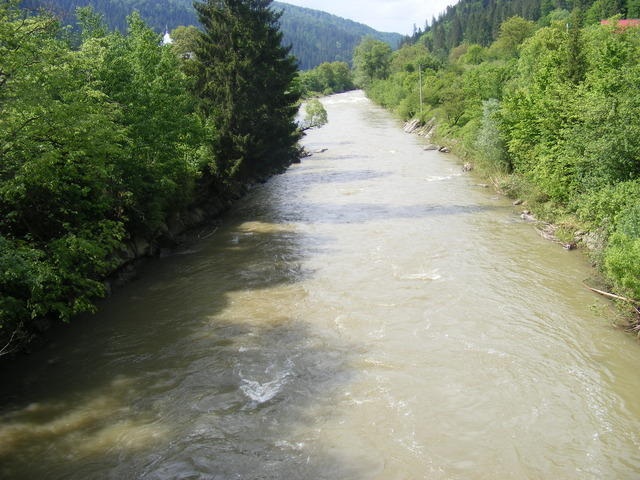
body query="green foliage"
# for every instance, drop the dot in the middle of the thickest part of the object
(489, 141)
(315, 115)
(602, 9)
(328, 78)
(558, 108)
(251, 115)
(557, 15)
(474, 55)
(371, 61)
(185, 43)
(162, 128)
(622, 262)
(479, 22)
(102, 143)
(316, 36)
(185, 40)
(633, 8)
(59, 143)
(512, 33)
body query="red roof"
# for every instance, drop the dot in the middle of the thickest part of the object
(630, 22)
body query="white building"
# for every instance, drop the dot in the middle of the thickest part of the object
(167, 40)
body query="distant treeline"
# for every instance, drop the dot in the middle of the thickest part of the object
(326, 79)
(106, 142)
(549, 110)
(316, 36)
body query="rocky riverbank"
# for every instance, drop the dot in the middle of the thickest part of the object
(569, 233)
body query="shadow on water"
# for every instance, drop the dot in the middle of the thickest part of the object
(205, 367)
(172, 380)
(309, 179)
(369, 212)
(310, 165)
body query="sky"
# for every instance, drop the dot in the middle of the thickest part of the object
(384, 15)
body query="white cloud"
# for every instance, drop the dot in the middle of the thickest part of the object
(385, 15)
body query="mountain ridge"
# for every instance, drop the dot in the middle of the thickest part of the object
(315, 36)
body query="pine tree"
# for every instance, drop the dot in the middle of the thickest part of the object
(455, 34)
(245, 80)
(576, 61)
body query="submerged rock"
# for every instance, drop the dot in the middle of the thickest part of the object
(412, 125)
(527, 216)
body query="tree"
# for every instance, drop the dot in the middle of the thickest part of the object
(576, 62)
(371, 61)
(96, 145)
(327, 77)
(455, 33)
(342, 77)
(185, 40)
(315, 115)
(633, 8)
(475, 55)
(512, 33)
(603, 9)
(245, 86)
(58, 134)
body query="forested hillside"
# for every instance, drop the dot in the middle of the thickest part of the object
(319, 37)
(316, 36)
(475, 21)
(548, 109)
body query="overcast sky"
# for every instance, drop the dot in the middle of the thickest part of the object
(384, 15)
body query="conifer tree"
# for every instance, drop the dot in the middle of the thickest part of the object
(576, 61)
(245, 85)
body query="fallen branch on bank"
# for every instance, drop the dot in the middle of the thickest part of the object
(548, 232)
(617, 297)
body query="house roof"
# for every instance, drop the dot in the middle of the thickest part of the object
(629, 22)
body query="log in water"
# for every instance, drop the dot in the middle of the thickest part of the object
(370, 314)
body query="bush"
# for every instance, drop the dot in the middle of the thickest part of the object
(622, 263)
(489, 143)
(606, 207)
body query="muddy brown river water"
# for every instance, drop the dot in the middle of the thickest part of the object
(370, 314)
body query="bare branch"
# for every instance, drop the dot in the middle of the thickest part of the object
(5, 350)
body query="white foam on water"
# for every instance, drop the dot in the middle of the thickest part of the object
(439, 178)
(263, 392)
(356, 97)
(433, 275)
(284, 444)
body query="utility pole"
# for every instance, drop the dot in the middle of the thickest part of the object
(420, 77)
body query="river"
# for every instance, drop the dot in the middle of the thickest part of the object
(372, 313)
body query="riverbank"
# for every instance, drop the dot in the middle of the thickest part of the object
(552, 221)
(195, 222)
